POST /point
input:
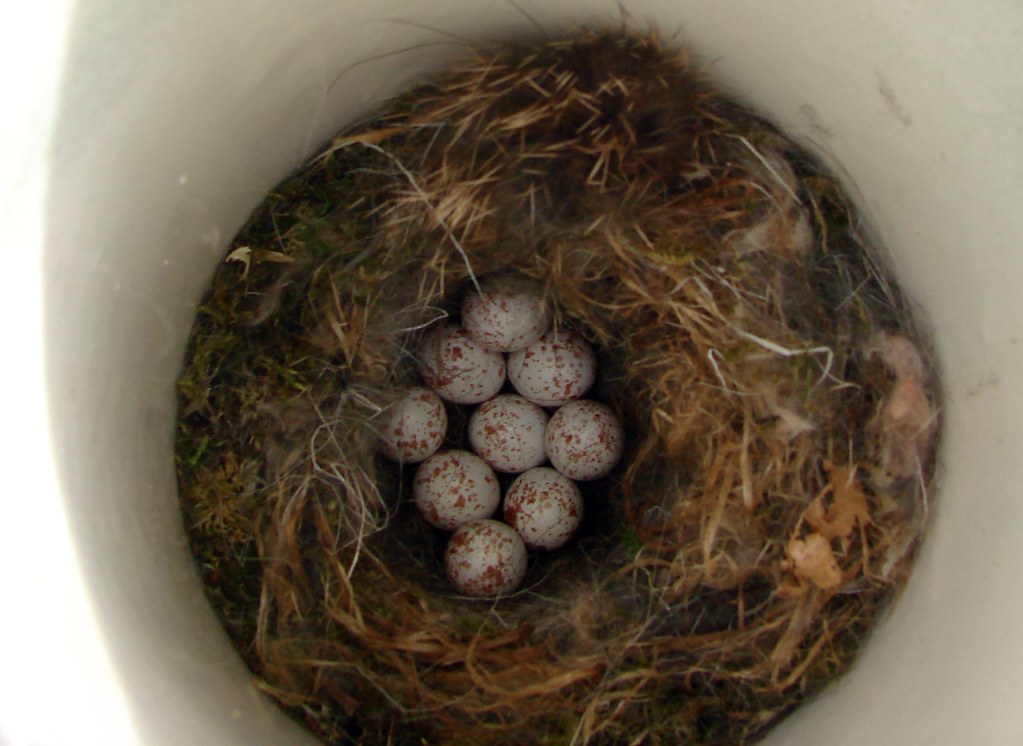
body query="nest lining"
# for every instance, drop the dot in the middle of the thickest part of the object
(779, 404)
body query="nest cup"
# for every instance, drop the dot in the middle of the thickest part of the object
(779, 415)
(121, 275)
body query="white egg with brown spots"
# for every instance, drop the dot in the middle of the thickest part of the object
(559, 367)
(485, 559)
(452, 488)
(413, 426)
(544, 507)
(507, 313)
(507, 432)
(457, 367)
(584, 440)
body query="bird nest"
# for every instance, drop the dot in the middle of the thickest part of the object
(779, 408)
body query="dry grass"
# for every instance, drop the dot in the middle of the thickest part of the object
(779, 405)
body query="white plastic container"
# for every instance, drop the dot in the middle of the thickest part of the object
(144, 131)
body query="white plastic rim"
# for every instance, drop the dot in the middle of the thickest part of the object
(140, 133)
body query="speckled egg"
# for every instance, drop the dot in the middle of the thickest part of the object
(452, 488)
(510, 313)
(413, 426)
(458, 368)
(507, 432)
(485, 559)
(545, 507)
(584, 440)
(559, 367)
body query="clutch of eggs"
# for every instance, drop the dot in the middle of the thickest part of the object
(457, 490)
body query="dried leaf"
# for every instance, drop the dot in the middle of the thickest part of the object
(792, 588)
(247, 255)
(266, 255)
(848, 507)
(813, 559)
(242, 254)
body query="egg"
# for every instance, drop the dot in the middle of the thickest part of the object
(510, 313)
(584, 440)
(452, 488)
(507, 432)
(559, 367)
(458, 368)
(485, 559)
(413, 426)
(545, 507)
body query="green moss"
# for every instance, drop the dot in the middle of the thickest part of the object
(629, 539)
